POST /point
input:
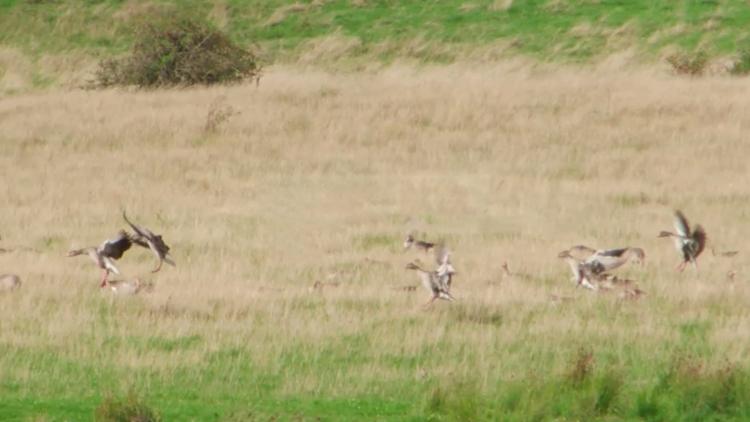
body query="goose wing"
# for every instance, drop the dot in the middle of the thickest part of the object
(699, 235)
(617, 253)
(681, 224)
(115, 248)
(147, 239)
(606, 260)
(442, 255)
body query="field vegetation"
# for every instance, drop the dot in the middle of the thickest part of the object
(318, 176)
(51, 43)
(510, 130)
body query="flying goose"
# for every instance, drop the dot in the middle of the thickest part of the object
(438, 285)
(419, 244)
(445, 267)
(609, 259)
(600, 261)
(582, 274)
(147, 239)
(689, 244)
(104, 255)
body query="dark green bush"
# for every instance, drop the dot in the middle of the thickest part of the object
(742, 65)
(129, 409)
(691, 64)
(178, 51)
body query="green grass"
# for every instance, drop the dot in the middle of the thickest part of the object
(229, 388)
(567, 30)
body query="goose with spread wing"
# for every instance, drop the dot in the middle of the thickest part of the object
(104, 255)
(445, 267)
(586, 262)
(582, 274)
(147, 239)
(437, 284)
(689, 244)
(608, 259)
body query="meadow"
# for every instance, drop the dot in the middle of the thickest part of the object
(317, 176)
(49, 43)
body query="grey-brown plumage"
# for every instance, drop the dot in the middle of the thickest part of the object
(146, 238)
(419, 244)
(438, 285)
(689, 244)
(105, 254)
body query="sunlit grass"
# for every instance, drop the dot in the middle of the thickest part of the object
(318, 178)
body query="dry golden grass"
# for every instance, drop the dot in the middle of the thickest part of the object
(318, 176)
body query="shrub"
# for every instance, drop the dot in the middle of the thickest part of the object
(178, 50)
(742, 65)
(130, 409)
(692, 64)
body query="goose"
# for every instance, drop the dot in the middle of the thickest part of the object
(126, 287)
(438, 285)
(419, 244)
(104, 255)
(9, 282)
(689, 244)
(609, 259)
(582, 274)
(445, 267)
(147, 239)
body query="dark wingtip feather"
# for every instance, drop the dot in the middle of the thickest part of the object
(699, 234)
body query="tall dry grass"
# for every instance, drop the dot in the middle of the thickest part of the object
(318, 176)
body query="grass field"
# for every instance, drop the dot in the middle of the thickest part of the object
(317, 176)
(48, 43)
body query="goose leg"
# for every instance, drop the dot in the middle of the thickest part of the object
(103, 283)
(681, 266)
(158, 267)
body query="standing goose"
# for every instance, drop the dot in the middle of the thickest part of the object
(147, 239)
(105, 254)
(438, 285)
(689, 244)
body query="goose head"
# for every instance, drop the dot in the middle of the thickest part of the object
(76, 252)
(409, 241)
(638, 255)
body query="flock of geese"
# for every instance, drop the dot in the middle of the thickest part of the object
(591, 268)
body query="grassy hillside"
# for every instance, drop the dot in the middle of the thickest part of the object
(318, 177)
(427, 30)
